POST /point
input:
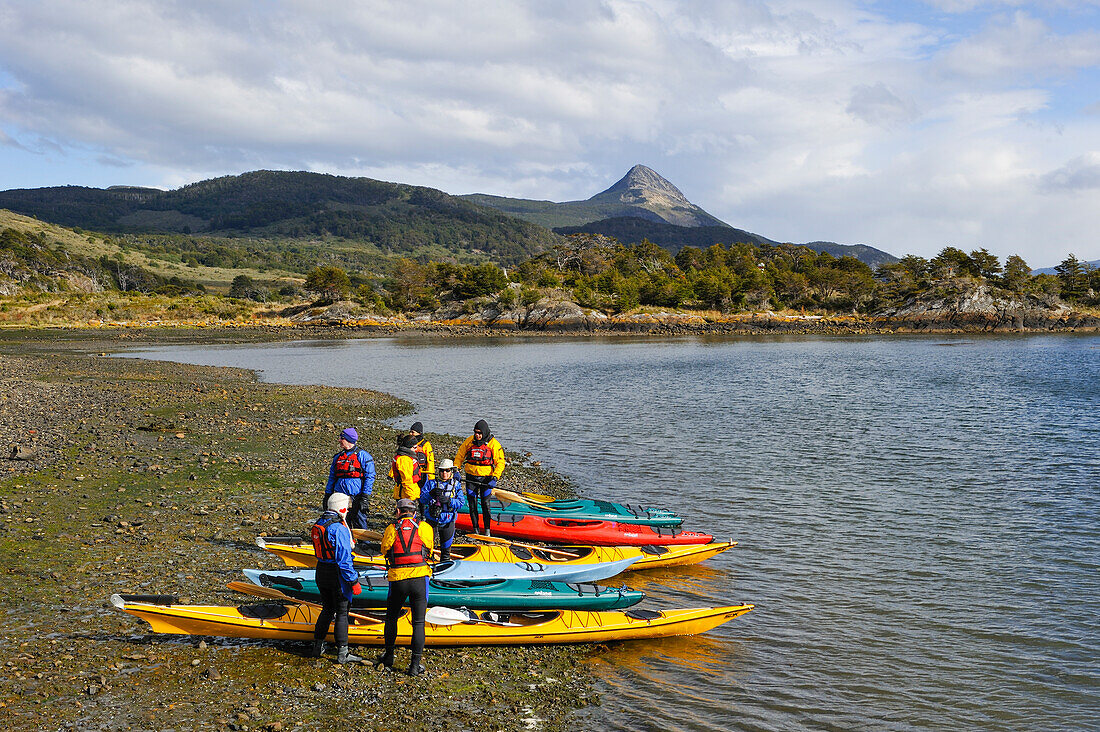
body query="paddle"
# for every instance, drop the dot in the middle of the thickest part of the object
(538, 497)
(450, 616)
(497, 540)
(270, 593)
(517, 498)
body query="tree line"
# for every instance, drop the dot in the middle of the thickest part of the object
(593, 270)
(601, 273)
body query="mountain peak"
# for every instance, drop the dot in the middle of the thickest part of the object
(648, 195)
(640, 181)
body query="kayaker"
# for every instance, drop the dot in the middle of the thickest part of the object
(406, 545)
(481, 458)
(425, 455)
(405, 470)
(337, 578)
(352, 473)
(440, 500)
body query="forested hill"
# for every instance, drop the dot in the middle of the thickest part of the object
(634, 230)
(397, 218)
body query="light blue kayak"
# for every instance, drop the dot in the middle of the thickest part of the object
(461, 569)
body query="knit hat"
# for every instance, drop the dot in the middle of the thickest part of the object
(418, 428)
(408, 441)
(350, 435)
(339, 502)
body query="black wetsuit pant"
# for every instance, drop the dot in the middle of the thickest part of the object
(412, 593)
(444, 535)
(333, 602)
(477, 489)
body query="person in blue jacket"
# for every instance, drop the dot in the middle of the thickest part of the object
(352, 473)
(440, 501)
(337, 578)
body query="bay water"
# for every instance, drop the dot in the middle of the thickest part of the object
(918, 517)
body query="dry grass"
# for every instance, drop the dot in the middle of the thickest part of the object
(95, 245)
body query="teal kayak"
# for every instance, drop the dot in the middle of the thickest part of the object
(494, 594)
(584, 508)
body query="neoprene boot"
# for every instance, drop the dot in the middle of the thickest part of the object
(385, 660)
(317, 649)
(415, 667)
(343, 655)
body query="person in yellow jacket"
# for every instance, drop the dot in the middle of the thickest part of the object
(481, 458)
(407, 545)
(405, 470)
(425, 455)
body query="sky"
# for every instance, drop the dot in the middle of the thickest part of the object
(908, 126)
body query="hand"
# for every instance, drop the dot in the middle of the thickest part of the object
(356, 588)
(492, 482)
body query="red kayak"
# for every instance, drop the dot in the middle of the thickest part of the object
(584, 531)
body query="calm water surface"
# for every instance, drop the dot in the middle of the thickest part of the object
(918, 518)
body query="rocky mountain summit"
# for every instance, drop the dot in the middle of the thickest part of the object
(644, 188)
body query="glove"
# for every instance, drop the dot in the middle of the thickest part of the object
(356, 588)
(492, 483)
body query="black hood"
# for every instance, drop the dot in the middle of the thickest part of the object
(486, 435)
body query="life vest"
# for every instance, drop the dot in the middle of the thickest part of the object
(407, 549)
(323, 548)
(348, 466)
(397, 475)
(421, 457)
(480, 455)
(442, 494)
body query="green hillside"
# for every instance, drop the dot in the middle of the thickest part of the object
(394, 218)
(556, 215)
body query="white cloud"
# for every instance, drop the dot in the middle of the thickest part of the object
(799, 119)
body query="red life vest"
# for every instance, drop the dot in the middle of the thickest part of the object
(348, 466)
(397, 473)
(323, 547)
(480, 455)
(408, 550)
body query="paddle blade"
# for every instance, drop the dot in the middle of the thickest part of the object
(517, 498)
(445, 616)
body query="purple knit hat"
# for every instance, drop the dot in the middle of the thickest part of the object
(350, 435)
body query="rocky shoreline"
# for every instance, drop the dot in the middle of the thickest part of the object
(137, 476)
(336, 322)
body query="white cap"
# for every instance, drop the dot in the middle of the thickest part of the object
(339, 502)
(445, 464)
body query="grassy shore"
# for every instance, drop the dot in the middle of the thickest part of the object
(149, 477)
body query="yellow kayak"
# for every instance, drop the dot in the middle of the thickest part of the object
(296, 552)
(278, 621)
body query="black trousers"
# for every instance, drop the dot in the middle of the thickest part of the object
(357, 512)
(333, 602)
(412, 593)
(444, 536)
(477, 489)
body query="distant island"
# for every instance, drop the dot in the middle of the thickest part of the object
(282, 248)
